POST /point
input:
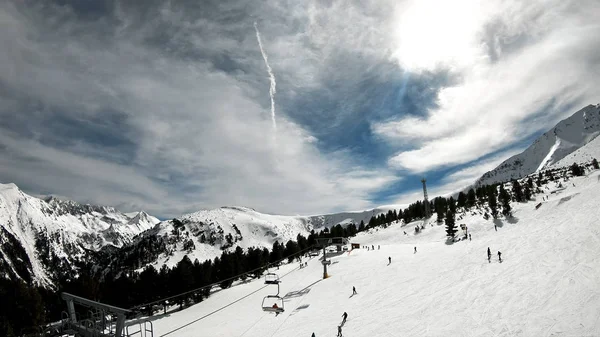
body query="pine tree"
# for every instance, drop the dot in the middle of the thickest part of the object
(450, 224)
(540, 179)
(492, 202)
(527, 193)
(225, 270)
(276, 252)
(595, 164)
(361, 227)
(452, 204)
(462, 200)
(440, 214)
(505, 201)
(471, 198)
(576, 170)
(517, 191)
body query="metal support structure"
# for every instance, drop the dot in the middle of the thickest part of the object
(96, 326)
(426, 199)
(324, 263)
(324, 242)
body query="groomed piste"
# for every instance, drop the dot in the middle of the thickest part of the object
(548, 283)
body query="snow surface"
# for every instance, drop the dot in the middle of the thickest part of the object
(566, 137)
(583, 155)
(546, 285)
(255, 230)
(70, 227)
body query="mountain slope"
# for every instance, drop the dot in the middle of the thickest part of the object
(545, 286)
(205, 234)
(40, 238)
(566, 137)
(586, 153)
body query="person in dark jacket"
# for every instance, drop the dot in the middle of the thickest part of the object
(489, 254)
(499, 256)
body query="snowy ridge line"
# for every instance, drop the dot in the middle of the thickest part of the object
(225, 306)
(216, 283)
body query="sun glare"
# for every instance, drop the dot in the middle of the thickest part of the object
(432, 33)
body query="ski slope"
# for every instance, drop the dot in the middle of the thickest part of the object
(547, 285)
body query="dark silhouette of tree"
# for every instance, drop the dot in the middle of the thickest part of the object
(576, 170)
(471, 198)
(462, 200)
(450, 223)
(505, 201)
(517, 191)
(492, 202)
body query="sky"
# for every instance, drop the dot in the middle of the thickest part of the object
(287, 107)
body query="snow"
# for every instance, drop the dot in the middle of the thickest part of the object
(549, 155)
(256, 230)
(546, 285)
(64, 223)
(569, 135)
(585, 154)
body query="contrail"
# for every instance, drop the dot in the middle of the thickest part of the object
(272, 90)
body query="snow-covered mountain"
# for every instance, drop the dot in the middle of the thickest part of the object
(546, 284)
(584, 154)
(41, 238)
(566, 137)
(205, 234)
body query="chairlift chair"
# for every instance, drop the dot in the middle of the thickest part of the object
(273, 303)
(271, 278)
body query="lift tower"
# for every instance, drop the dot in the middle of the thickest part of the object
(426, 200)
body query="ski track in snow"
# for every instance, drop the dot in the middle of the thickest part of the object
(546, 285)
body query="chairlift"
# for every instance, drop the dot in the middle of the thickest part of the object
(271, 278)
(273, 303)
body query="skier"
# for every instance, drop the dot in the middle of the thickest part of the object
(499, 256)
(373, 247)
(354, 291)
(344, 316)
(469, 237)
(495, 227)
(489, 254)
(415, 250)
(339, 331)
(378, 247)
(390, 259)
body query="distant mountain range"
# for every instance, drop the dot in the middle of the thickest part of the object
(42, 240)
(578, 132)
(38, 233)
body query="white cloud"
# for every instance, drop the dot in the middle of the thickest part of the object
(460, 179)
(195, 106)
(200, 137)
(491, 105)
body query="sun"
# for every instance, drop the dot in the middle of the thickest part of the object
(430, 34)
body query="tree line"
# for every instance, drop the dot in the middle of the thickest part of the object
(112, 277)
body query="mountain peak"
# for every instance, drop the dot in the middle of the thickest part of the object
(569, 135)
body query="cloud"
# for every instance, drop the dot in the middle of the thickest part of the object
(500, 88)
(457, 180)
(178, 129)
(163, 105)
